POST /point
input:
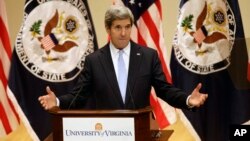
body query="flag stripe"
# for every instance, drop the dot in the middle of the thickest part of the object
(2, 131)
(4, 119)
(2, 75)
(149, 28)
(158, 111)
(169, 111)
(158, 5)
(3, 115)
(141, 39)
(154, 41)
(8, 116)
(153, 29)
(144, 35)
(5, 49)
(4, 60)
(12, 116)
(4, 38)
(155, 35)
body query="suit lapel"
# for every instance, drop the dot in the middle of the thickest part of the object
(134, 67)
(107, 64)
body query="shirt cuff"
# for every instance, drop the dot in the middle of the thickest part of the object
(189, 106)
(57, 102)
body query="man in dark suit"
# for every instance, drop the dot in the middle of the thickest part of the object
(120, 74)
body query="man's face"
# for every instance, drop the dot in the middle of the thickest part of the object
(119, 33)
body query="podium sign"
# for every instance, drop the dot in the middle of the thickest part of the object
(98, 129)
(101, 125)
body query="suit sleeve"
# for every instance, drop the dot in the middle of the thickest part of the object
(79, 96)
(167, 92)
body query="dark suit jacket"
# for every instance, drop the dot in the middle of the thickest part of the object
(98, 88)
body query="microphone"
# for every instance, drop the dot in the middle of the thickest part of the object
(72, 101)
(77, 89)
(132, 99)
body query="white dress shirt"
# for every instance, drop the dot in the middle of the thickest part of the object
(115, 54)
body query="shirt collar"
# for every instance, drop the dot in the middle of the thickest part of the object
(114, 50)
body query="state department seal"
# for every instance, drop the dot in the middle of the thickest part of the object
(205, 36)
(54, 40)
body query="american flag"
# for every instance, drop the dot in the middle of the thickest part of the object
(7, 110)
(10, 116)
(148, 30)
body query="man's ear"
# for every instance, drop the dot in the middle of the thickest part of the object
(107, 30)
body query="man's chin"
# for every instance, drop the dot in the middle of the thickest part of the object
(123, 44)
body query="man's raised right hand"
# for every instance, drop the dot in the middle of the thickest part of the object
(48, 101)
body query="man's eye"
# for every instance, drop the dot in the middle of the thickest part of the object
(128, 27)
(118, 27)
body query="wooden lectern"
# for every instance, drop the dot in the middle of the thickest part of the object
(141, 118)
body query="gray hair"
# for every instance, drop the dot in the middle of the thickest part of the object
(117, 12)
